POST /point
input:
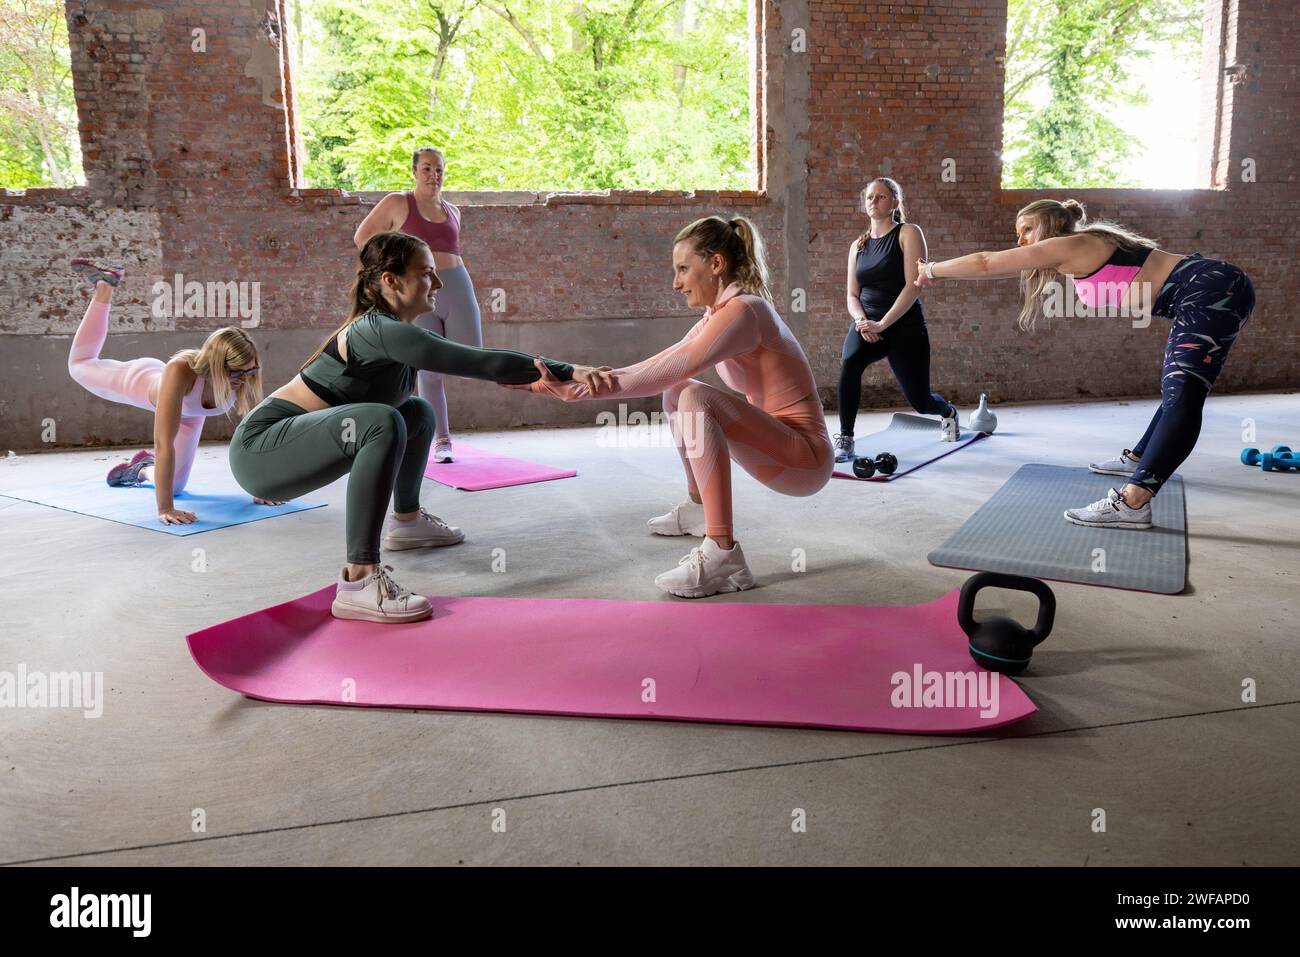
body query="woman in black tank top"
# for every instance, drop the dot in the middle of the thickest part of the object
(888, 320)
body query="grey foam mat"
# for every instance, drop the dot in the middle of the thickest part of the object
(1021, 531)
(914, 439)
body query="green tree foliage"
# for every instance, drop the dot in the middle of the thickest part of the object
(1068, 64)
(39, 144)
(526, 94)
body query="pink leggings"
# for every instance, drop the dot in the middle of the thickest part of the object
(127, 383)
(789, 451)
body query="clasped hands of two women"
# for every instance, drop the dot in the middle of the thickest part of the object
(597, 380)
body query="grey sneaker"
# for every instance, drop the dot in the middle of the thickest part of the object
(844, 448)
(1119, 465)
(1111, 512)
(949, 428)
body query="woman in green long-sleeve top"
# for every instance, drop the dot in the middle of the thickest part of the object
(350, 409)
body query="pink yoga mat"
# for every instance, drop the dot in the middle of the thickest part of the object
(819, 666)
(475, 470)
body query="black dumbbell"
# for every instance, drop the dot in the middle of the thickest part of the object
(885, 463)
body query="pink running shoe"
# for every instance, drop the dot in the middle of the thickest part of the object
(95, 270)
(129, 472)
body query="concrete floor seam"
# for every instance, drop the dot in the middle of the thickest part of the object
(636, 783)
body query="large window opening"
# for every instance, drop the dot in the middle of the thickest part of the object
(543, 95)
(1106, 93)
(39, 141)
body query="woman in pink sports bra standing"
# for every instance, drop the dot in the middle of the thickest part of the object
(774, 429)
(422, 212)
(182, 393)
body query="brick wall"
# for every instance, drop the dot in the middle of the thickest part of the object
(188, 172)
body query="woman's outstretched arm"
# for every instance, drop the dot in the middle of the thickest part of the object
(730, 331)
(1003, 264)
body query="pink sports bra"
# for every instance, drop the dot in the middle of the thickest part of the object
(442, 237)
(1106, 286)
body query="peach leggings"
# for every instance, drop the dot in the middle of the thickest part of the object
(788, 451)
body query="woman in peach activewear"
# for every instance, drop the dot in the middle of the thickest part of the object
(775, 430)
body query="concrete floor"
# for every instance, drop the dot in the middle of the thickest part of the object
(1140, 695)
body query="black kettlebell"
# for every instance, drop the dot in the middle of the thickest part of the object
(885, 463)
(1003, 644)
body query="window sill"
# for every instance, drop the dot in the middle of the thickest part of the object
(617, 197)
(46, 196)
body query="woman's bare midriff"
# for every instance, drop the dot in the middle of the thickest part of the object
(1157, 269)
(1152, 276)
(296, 391)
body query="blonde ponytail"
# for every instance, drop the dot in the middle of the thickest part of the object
(737, 241)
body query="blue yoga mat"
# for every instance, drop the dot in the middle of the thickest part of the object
(216, 507)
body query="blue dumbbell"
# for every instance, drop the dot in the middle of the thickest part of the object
(1280, 458)
(1250, 456)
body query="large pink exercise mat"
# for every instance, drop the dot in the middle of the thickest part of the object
(475, 470)
(819, 666)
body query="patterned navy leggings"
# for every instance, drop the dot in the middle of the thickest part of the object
(1209, 301)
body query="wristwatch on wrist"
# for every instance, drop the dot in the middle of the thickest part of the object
(929, 271)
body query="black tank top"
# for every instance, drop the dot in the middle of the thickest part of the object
(880, 275)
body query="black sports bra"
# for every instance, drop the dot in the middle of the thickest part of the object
(332, 350)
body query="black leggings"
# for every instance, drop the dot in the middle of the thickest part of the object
(281, 451)
(907, 346)
(1209, 301)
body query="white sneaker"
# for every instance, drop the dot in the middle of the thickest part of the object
(1111, 512)
(378, 598)
(949, 428)
(442, 451)
(844, 448)
(423, 531)
(684, 519)
(708, 570)
(1120, 465)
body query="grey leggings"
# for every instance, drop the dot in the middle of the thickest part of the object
(281, 451)
(456, 317)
